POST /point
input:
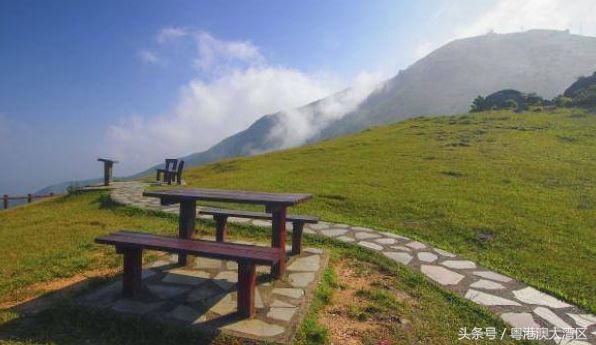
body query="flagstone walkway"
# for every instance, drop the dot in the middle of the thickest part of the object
(516, 303)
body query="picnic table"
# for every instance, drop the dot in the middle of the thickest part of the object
(275, 203)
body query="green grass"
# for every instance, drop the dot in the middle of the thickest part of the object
(512, 191)
(69, 225)
(54, 239)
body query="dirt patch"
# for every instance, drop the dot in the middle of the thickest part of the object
(351, 317)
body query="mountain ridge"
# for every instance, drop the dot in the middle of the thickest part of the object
(443, 82)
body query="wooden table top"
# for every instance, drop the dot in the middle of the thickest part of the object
(238, 196)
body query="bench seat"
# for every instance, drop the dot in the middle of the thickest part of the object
(256, 215)
(220, 216)
(131, 245)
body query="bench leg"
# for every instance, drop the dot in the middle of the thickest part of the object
(133, 267)
(157, 175)
(297, 237)
(221, 227)
(247, 280)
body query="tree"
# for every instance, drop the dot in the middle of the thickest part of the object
(586, 97)
(478, 104)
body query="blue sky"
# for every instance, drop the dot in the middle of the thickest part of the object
(138, 80)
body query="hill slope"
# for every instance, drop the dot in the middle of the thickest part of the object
(444, 82)
(447, 80)
(509, 190)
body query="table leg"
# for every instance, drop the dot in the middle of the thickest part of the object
(278, 239)
(186, 226)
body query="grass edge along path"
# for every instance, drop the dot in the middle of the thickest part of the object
(506, 190)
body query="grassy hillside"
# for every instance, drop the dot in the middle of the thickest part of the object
(46, 241)
(513, 191)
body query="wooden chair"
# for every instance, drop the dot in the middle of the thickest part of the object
(169, 162)
(175, 175)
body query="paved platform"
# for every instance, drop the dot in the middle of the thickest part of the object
(516, 303)
(203, 296)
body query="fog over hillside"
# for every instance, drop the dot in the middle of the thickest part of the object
(444, 82)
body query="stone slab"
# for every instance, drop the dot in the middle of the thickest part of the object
(551, 317)
(583, 320)
(207, 263)
(441, 275)
(289, 292)
(204, 292)
(163, 291)
(188, 314)
(309, 264)
(492, 276)
(459, 264)
(282, 314)
(226, 279)
(365, 235)
(386, 240)
(346, 239)
(186, 277)
(427, 257)
(530, 295)
(255, 328)
(520, 320)
(484, 298)
(402, 258)
(301, 279)
(416, 245)
(486, 285)
(370, 245)
(390, 234)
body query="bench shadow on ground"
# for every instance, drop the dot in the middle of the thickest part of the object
(59, 317)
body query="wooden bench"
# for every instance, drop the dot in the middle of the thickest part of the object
(131, 245)
(220, 216)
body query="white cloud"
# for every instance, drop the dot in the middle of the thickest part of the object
(514, 15)
(240, 87)
(148, 56)
(219, 54)
(171, 33)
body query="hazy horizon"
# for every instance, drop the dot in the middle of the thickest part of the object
(82, 80)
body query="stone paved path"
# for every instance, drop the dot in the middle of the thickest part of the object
(204, 294)
(516, 303)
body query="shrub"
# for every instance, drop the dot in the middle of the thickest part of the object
(564, 102)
